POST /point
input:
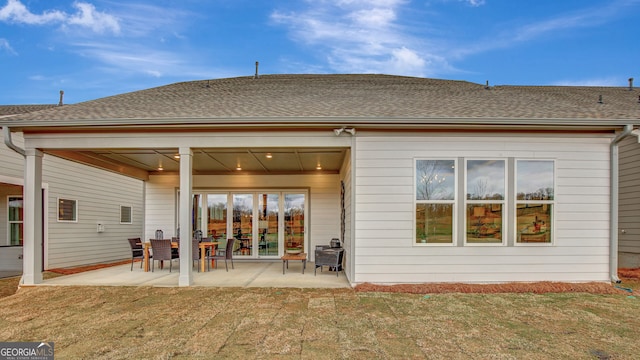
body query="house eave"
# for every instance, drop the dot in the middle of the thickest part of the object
(319, 122)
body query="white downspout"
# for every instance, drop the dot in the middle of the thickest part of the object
(7, 141)
(613, 245)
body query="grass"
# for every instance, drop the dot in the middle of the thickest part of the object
(260, 323)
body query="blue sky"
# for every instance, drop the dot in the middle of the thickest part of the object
(97, 48)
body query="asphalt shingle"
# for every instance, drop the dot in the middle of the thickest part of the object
(351, 96)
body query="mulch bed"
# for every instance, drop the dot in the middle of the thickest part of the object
(79, 269)
(629, 273)
(535, 288)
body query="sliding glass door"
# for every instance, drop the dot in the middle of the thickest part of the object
(242, 229)
(217, 216)
(294, 224)
(263, 223)
(268, 224)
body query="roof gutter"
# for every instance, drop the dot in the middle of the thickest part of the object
(613, 245)
(7, 141)
(312, 121)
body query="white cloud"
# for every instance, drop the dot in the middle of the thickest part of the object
(86, 17)
(405, 60)
(373, 18)
(361, 36)
(16, 12)
(6, 47)
(474, 2)
(128, 59)
(132, 59)
(605, 81)
(140, 20)
(513, 35)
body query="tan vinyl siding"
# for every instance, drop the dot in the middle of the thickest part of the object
(384, 205)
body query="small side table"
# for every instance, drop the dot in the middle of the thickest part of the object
(302, 257)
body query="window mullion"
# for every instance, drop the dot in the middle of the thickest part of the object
(509, 228)
(461, 205)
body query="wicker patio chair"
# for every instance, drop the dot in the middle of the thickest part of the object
(162, 251)
(331, 257)
(226, 254)
(195, 251)
(175, 251)
(137, 252)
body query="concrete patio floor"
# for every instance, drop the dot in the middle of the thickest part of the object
(245, 274)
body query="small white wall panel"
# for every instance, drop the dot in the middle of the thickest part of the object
(11, 258)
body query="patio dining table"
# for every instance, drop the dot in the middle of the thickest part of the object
(174, 244)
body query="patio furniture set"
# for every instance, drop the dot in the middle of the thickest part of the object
(204, 251)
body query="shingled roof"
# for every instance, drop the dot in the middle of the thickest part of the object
(9, 110)
(365, 97)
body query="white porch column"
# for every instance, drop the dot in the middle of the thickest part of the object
(32, 242)
(186, 273)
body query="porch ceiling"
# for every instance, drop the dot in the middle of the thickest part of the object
(210, 161)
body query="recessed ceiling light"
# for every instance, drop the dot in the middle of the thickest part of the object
(269, 156)
(318, 167)
(160, 168)
(238, 168)
(176, 156)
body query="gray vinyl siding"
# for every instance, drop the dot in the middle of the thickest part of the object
(629, 201)
(324, 199)
(384, 248)
(99, 194)
(12, 171)
(12, 162)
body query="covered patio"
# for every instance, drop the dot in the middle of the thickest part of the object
(245, 274)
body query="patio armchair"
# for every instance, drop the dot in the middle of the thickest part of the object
(195, 252)
(137, 252)
(226, 254)
(162, 251)
(175, 251)
(331, 257)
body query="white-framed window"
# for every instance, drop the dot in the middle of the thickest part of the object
(535, 201)
(435, 201)
(485, 192)
(126, 214)
(15, 220)
(67, 210)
